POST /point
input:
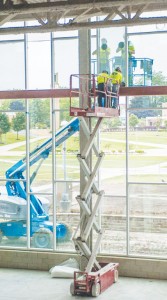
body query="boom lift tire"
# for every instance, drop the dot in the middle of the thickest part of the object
(42, 238)
(96, 289)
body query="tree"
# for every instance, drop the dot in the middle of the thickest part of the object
(143, 102)
(17, 105)
(115, 123)
(40, 113)
(151, 102)
(19, 123)
(65, 105)
(5, 104)
(159, 79)
(133, 120)
(165, 123)
(9, 104)
(4, 125)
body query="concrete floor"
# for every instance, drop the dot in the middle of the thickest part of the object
(38, 285)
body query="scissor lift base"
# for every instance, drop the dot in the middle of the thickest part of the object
(94, 283)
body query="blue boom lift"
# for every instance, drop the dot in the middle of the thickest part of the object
(13, 206)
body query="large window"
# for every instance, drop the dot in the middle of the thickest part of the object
(66, 61)
(39, 170)
(12, 65)
(39, 61)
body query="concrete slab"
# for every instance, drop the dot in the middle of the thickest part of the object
(18, 284)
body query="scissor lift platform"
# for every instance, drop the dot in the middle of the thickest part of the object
(83, 101)
(94, 283)
(101, 112)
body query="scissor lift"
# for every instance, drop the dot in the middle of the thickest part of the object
(96, 276)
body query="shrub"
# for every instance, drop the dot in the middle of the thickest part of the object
(139, 151)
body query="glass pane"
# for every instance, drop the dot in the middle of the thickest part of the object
(65, 34)
(39, 67)
(148, 220)
(149, 41)
(68, 212)
(66, 61)
(12, 136)
(40, 142)
(147, 146)
(37, 37)
(12, 107)
(13, 216)
(113, 218)
(67, 165)
(13, 204)
(12, 36)
(12, 66)
(109, 59)
(41, 217)
(112, 170)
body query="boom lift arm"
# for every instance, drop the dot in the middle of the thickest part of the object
(18, 188)
(17, 193)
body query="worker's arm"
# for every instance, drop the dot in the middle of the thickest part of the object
(120, 78)
(131, 50)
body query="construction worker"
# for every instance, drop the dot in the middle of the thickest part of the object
(121, 48)
(116, 79)
(131, 53)
(102, 80)
(104, 53)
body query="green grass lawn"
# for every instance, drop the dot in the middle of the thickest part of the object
(133, 178)
(72, 144)
(114, 154)
(135, 161)
(112, 161)
(154, 137)
(11, 138)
